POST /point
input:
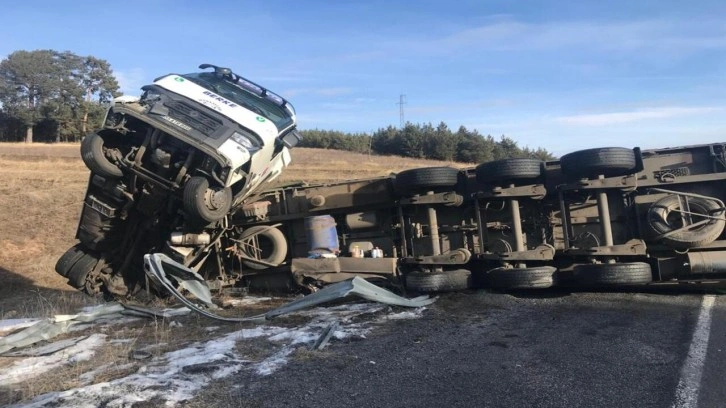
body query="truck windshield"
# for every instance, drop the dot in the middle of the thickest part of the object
(269, 106)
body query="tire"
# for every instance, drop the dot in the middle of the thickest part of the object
(273, 245)
(205, 203)
(93, 156)
(607, 161)
(79, 272)
(97, 231)
(615, 274)
(539, 277)
(509, 169)
(68, 259)
(663, 219)
(426, 179)
(447, 281)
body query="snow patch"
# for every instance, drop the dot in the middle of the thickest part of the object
(178, 375)
(409, 314)
(247, 300)
(10, 325)
(88, 377)
(33, 366)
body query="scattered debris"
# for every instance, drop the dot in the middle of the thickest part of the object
(139, 355)
(245, 301)
(149, 312)
(50, 328)
(33, 366)
(155, 264)
(325, 336)
(47, 349)
(178, 375)
(355, 286)
(10, 325)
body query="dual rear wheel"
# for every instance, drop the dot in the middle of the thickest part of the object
(445, 281)
(421, 180)
(586, 275)
(77, 265)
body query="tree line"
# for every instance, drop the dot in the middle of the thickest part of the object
(424, 141)
(56, 95)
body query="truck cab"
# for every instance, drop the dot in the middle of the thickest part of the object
(178, 159)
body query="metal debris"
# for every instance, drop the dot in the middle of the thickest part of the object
(141, 311)
(159, 268)
(59, 324)
(356, 286)
(324, 338)
(46, 350)
(186, 278)
(154, 265)
(139, 355)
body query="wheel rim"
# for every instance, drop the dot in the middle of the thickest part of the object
(215, 199)
(673, 217)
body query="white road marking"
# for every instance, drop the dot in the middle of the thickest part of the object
(692, 371)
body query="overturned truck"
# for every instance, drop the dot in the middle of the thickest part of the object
(182, 170)
(595, 218)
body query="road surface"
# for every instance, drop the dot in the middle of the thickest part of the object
(547, 349)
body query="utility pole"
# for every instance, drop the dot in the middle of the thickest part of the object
(401, 102)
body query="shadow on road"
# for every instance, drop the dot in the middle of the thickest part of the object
(21, 297)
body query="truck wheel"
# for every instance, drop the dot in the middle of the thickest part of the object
(68, 259)
(426, 179)
(265, 243)
(447, 281)
(607, 161)
(663, 217)
(614, 274)
(204, 202)
(79, 272)
(508, 169)
(538, 277)
(92, 153)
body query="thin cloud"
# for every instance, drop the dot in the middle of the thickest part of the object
(512, 35)
(332, 91)
(448, 107)
(131, 80)
(612, 118)
(279, 78)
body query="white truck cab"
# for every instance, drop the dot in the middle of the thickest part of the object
(212, 135)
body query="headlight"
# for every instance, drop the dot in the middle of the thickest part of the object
(245, 142)
(150, 96)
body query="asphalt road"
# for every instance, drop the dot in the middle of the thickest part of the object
(523, 350)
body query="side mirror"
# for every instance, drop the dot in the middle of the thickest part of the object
(291, 139)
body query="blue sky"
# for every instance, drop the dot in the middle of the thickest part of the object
(563, 75)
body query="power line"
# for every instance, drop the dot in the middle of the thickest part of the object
(401, 102)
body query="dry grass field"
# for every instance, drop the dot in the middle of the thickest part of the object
(41, 193)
